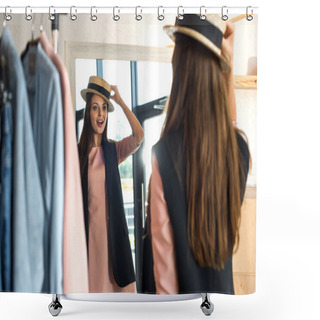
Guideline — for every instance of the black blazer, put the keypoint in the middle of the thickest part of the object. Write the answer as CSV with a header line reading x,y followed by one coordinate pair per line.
x,y
191,277
121,255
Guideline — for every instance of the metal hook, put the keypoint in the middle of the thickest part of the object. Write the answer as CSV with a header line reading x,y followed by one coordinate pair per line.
x,y
160,16
93,17
249,16
6,15
224,17
73,16
51,15
28,16
203,16
138,16
116,17
180,14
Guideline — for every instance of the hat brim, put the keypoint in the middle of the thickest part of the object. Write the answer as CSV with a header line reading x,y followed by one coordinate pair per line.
x,y
84,96
171,30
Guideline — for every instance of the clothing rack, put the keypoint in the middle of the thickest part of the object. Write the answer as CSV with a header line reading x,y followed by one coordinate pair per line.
x,y
55,31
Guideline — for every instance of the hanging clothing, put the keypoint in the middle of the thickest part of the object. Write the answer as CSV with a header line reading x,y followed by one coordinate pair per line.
x,y
5,202
44,95
109,251
178,272
27,200
75,268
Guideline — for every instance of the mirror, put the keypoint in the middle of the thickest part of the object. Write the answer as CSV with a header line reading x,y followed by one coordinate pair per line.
x,y
144,86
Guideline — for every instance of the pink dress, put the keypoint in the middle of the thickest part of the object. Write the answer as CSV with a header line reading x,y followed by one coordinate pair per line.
x,y
101,278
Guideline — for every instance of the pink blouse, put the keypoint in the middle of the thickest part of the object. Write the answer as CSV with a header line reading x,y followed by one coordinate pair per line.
x,y
101,278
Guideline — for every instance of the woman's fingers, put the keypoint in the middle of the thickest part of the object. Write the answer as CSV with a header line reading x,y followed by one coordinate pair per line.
x,y
227,42
116,92
116,95
229,30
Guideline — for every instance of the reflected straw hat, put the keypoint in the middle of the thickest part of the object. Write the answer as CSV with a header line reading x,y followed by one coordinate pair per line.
x,y
208,32
100,87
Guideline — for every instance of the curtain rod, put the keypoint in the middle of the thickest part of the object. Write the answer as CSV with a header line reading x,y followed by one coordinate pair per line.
x,y
125,9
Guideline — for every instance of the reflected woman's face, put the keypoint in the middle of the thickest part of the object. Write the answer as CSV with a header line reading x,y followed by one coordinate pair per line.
x,y
98,114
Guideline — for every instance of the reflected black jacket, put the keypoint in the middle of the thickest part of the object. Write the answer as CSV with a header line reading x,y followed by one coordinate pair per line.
x,y
119,237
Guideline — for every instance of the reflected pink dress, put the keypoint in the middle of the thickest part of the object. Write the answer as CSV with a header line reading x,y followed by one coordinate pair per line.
x,y
101,278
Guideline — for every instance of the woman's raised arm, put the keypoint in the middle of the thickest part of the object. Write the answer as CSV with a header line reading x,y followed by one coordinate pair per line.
x,y
137,130
227,52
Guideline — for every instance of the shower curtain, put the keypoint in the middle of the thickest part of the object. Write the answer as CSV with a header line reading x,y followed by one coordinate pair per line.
x,y
51,237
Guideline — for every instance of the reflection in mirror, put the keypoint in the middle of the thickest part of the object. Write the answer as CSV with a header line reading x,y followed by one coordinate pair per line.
x,y
144,87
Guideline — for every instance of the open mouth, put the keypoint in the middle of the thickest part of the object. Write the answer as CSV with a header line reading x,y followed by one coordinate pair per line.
x,y
100,123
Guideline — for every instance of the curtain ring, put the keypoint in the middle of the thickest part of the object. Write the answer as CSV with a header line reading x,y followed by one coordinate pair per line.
x,y
160,16
180,14
138,16
116,17
93,17
51,15
28,15
249,16
73,16
6,15
203,15
224,17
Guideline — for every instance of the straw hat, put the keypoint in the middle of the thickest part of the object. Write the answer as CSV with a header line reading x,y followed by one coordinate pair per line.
x,y
100,87
208,32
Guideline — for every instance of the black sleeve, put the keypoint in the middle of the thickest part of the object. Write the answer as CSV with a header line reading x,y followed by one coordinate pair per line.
x,y
244,157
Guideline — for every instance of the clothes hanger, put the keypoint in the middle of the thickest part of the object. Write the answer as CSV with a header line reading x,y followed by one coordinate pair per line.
x,y
31,43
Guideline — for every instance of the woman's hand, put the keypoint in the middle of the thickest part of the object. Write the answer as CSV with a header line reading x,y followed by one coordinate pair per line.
x,y
227,52
227,43
116,96
137,130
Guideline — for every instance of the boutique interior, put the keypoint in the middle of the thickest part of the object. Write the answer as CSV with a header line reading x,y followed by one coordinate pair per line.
x,y
136,56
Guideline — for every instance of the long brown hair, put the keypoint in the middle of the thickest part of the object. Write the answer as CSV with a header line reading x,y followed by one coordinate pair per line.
x,y
86,138
198,103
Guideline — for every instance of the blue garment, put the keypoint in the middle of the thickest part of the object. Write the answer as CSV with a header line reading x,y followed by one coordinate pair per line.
x,y
45,101
27,200
6,178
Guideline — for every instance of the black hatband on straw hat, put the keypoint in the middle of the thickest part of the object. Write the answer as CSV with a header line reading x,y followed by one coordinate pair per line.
x,y
204,27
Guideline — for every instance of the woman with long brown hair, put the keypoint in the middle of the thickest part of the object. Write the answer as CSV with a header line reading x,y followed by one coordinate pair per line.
x,y
110,262
200,164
